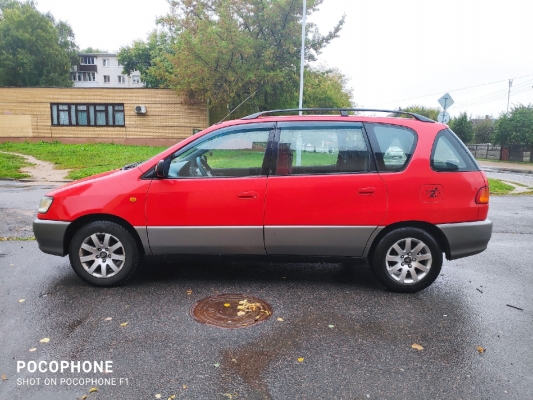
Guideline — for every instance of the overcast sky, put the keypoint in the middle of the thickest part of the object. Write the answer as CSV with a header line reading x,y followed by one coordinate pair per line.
x,y
395,53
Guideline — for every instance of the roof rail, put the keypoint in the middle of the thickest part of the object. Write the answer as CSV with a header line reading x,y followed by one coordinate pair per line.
x,y
343,112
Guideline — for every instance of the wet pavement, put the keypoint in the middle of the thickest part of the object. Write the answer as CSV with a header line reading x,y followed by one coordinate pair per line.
x,y
342,336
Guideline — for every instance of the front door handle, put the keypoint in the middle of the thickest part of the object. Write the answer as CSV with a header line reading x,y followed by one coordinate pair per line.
x,y
247,195
367,191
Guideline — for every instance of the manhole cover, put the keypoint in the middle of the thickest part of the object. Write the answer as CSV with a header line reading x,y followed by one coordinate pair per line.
x,y
231,311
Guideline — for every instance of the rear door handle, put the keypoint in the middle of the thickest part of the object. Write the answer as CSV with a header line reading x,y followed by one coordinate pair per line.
x,y
247,195
367,191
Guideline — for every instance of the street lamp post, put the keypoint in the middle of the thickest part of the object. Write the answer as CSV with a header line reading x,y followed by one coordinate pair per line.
x,y
302,58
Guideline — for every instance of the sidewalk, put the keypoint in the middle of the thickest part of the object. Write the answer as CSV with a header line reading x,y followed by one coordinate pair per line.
x,y
506,166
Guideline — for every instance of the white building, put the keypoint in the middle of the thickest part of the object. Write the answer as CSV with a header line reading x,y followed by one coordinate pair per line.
x,y
102,70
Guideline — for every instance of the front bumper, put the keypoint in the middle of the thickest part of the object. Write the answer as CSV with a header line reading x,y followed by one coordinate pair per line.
x,y
466,238
50,236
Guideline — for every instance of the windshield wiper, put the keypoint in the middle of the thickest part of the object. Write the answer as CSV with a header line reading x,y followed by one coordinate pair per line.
x,y
132,165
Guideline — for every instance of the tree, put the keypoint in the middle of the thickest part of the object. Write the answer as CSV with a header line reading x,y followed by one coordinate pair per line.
x,y
325,88
92,50
142,56
429,112
34,50
227,50
462,126
515,127
484,131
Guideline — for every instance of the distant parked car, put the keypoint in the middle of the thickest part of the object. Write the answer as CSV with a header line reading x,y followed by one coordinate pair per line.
x,y
399,192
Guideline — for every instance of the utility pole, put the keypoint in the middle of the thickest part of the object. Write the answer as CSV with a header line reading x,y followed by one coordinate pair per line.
x,y
509,94
302,58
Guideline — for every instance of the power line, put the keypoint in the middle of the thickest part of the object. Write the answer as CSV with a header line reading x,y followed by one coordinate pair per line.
x,y
497,93
452,90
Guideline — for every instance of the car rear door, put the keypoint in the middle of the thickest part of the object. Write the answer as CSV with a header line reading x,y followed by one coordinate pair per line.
x,y
324,195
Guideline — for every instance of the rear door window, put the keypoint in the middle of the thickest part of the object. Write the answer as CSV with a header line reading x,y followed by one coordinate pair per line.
x,y
393,146
450,154
321,148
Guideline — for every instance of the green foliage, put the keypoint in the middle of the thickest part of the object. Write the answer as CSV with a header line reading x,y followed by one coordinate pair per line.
x,y
484,131
429,112
515,127
497,187
141,56
10,166
325,88
34,49
84,159
225,50
462,126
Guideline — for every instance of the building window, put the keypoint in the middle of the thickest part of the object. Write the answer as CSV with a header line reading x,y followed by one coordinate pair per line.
x,y
107,79
83,76
135,79
87,114
106,62
121,79
87,60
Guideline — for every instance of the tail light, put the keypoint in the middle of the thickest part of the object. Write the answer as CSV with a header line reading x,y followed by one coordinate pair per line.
x,y
482,196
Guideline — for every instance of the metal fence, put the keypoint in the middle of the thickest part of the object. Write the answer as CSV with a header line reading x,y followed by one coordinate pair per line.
x,y
486,151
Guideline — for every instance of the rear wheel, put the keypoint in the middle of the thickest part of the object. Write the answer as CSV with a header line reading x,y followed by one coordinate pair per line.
x,y
104,253
407,260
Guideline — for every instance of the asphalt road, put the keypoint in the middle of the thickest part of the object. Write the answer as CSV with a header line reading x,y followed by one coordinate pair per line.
x,y
366,353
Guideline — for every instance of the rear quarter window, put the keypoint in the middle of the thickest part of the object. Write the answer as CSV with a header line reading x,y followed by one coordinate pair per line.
x,y
449,154
393,146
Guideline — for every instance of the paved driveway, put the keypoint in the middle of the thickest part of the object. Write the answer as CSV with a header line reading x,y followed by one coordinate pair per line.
x,y
355,338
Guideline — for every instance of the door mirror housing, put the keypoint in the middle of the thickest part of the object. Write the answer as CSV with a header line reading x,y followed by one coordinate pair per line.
x,y
161,168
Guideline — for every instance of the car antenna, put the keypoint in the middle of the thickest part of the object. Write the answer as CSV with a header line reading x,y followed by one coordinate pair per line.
x,y
235,109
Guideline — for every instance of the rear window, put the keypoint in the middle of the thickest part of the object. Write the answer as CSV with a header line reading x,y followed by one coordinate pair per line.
x,y
449,154
393,146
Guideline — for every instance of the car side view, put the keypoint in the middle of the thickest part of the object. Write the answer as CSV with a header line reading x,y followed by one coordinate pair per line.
x,y
399,190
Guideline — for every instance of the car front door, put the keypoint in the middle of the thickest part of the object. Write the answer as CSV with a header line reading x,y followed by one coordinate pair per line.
x,y
212,201
325,197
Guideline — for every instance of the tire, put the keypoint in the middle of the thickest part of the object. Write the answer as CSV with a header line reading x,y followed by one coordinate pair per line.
x,y
396,267
104,243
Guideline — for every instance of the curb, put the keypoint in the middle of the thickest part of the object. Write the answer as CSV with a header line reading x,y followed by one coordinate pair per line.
x,y
513,170
33,180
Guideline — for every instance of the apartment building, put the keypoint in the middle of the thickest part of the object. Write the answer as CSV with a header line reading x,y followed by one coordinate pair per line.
x,y
102,70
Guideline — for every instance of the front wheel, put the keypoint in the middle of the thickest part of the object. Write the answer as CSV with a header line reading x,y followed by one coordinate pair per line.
x,y
406,260
104,253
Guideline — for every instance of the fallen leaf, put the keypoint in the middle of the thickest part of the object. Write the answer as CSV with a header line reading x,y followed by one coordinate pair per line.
x,y
158,396
93,390
480,349
241,313
108,319
301,359
4,377
33,349
123,324
216,365
22,300
280,319
84,397
189,292
331,326
417,347
172,397
44,340
227,304
184,386
228,396
233,360
11,265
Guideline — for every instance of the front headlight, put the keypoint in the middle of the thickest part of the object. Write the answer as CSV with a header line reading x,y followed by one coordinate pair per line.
x,y
45,204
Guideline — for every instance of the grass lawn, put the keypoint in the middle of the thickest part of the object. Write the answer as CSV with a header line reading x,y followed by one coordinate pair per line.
x,y
10,166
83,159
497,187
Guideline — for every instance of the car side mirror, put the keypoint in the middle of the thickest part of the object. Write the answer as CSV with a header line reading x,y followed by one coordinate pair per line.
x,y
161,169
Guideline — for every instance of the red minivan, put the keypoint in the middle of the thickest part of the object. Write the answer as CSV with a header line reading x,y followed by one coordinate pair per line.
x,y
397,191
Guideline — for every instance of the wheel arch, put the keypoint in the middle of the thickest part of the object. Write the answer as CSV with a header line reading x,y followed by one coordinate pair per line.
x,y
433,230
87,219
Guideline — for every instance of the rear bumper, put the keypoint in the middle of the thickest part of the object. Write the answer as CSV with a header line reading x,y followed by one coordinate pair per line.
x,y
466,238
50,236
